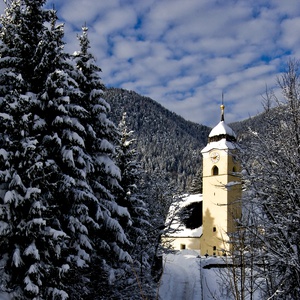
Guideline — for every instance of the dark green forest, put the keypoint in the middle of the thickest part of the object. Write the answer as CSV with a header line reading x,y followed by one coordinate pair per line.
x,y
166,142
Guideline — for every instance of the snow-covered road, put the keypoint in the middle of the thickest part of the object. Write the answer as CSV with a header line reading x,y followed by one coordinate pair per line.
x,y
181,277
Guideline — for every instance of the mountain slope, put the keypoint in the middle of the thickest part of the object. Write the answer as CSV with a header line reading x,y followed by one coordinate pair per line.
x,y
259,123
166,142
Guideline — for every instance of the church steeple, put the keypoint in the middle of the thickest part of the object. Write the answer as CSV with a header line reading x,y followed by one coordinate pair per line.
x,y
220,204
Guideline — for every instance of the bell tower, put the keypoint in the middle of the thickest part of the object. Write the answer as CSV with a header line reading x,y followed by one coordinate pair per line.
x,y
221,189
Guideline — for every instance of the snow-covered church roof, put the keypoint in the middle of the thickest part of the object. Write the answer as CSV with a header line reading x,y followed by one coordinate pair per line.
x,y
221,136
176,227
222,129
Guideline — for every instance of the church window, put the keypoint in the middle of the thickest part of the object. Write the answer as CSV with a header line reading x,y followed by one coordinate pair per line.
x,y
215,170
214,248
214,229
234,169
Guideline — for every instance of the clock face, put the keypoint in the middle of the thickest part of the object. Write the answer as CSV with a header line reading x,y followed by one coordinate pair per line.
x,y
214,156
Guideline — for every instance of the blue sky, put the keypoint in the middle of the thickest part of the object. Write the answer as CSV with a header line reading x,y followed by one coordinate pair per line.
x,y
185,53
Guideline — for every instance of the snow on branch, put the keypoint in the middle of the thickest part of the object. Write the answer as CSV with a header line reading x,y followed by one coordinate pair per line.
x,y
30,286
31,250
56,234
16,258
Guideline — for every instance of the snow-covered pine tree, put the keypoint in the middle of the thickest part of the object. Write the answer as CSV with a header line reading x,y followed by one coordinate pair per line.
x,y
196,185
131,172
27,241
101,138
24,236
137,280
64,141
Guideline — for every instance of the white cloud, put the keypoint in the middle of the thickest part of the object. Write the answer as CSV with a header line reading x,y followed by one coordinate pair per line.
x,y
290,30
184,54
81,11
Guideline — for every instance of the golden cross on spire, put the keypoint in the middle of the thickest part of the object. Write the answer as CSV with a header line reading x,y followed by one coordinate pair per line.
x,y
222,107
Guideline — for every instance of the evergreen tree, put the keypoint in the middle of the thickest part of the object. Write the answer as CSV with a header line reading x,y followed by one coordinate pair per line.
x,y
101,138
22,26
137,279
196,185
64,141
29,244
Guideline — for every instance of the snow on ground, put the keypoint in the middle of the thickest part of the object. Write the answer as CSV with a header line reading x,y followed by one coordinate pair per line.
x,y
183,279
181,276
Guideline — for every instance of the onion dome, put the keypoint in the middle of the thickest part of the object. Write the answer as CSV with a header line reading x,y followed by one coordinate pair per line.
x,y
221,136
222,131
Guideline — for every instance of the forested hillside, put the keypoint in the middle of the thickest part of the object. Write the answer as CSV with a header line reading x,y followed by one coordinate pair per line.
x,y
259,123
166,142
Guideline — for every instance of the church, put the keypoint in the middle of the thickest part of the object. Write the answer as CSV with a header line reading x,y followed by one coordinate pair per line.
x,y
221,205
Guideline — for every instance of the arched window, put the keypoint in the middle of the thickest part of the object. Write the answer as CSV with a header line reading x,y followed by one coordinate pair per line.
x,y
234,169
215,170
